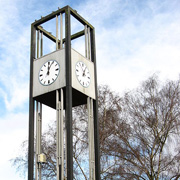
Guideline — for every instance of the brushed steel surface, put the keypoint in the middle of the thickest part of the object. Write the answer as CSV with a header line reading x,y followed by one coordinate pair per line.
x,y
90,90
38,88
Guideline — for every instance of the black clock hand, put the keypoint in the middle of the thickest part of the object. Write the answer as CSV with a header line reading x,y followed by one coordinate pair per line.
x,y
84,71
48,71
81,67
51,65
48,68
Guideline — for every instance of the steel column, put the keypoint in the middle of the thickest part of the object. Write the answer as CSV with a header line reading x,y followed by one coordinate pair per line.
x,y
68,96
86,47
38,165
37,144
41,54
38,140
62,134
95,107
60,137
31,108
91,139
56,32
37,121
89,43
61,30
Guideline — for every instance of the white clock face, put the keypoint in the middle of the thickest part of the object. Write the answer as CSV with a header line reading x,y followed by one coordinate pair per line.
x,y
82,74
49,72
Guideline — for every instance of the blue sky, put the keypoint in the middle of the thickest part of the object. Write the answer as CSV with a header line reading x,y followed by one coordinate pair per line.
x,y
134,39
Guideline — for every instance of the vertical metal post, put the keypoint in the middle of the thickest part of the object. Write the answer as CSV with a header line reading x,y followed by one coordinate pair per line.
x,y
86,47
61,31
37,122
90,112
62,136
31,108
41,54
38,44
66,152
89,43
40,134
68,96
59,107
37,145
91,139
56,32
57,144
40,114
95,109
38,139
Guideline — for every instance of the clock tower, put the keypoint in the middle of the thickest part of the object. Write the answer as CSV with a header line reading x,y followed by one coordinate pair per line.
x,y
62,79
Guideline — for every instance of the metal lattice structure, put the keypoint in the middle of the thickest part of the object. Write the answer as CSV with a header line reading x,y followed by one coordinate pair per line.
x,y
63,97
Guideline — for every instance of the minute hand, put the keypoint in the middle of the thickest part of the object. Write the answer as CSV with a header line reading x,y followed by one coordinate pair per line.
x,y
84,71
49,67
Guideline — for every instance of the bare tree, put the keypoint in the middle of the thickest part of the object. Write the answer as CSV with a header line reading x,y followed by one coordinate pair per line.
x,y
49,149
139,135
143,140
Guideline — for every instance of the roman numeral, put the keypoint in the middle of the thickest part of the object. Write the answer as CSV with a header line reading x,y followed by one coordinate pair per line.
x,y
57,69
48,81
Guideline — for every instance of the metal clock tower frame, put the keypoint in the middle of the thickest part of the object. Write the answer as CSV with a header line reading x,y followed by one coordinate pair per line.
x,y
63,98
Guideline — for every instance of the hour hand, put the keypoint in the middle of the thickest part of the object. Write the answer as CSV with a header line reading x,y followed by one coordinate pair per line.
x,y
84,71
48,68
51,65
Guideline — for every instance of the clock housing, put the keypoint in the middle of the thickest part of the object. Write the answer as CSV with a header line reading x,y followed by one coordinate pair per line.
x,y
82,73
40,88
89,88
46,94
49,72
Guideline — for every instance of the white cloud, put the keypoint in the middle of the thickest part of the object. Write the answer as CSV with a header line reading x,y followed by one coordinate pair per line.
x,y
14,56
141,41
13,128
134,39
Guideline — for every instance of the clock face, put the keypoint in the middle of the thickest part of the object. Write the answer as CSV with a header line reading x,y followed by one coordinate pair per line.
x,y
82,74
49,72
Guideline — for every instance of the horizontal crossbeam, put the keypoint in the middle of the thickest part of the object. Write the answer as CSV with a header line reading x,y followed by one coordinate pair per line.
x,y
53,38
62,10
